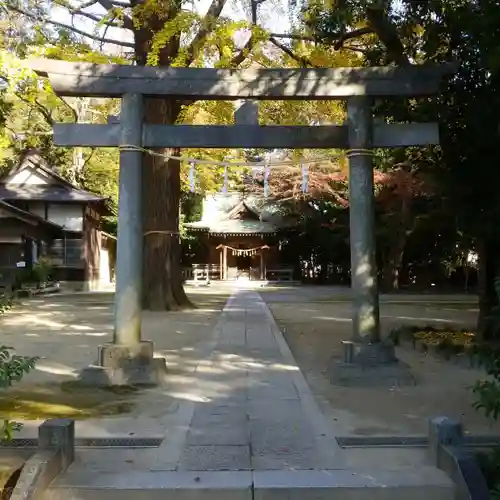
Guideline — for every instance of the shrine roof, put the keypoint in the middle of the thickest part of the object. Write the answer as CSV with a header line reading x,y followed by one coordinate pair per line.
x,y
232,213
34,179
234,226
47,193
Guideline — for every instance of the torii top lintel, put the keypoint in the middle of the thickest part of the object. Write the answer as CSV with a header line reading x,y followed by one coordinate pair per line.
x,y
107,80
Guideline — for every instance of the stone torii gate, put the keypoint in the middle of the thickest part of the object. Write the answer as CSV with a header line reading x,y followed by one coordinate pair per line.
x,y
129,359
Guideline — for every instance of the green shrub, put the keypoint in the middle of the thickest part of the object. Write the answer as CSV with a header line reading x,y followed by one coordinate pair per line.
x,y
488,395
6,303
43,269
490,465
12,369
488,389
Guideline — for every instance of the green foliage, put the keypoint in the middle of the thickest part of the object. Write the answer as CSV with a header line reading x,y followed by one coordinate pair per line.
x,y
39,274
321,225
43,269
488,393
12,369
6,303
490,465
493,318
488,390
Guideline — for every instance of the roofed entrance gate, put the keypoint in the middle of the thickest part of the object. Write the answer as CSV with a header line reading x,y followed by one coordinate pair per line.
x,y
128,359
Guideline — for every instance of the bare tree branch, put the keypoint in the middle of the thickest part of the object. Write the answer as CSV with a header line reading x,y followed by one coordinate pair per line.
x,y
72,28
71,108
243,53
301,59
101,45
355,49
326,37
212,14
340,39
90,35
47,115
89,3
387,34
89,157
109,6
77,11
294,36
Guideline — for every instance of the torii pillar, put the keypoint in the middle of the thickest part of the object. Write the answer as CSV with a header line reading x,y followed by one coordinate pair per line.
x,y
367,359
128,360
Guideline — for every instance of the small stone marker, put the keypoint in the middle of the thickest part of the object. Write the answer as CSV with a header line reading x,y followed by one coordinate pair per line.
x,y
443,431
58,433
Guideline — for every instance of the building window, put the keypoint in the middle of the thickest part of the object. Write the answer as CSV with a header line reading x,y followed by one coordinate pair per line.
x,y
67,252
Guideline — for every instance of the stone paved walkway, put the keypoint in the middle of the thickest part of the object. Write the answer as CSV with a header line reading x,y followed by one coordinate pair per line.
x,y
264,416
249,418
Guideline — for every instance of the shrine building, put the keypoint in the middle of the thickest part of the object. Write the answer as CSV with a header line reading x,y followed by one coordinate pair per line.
x,y
240,236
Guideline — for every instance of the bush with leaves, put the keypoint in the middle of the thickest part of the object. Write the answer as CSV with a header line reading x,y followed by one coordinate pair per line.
x,y
6,303
43,269
12,369
487,391
489,464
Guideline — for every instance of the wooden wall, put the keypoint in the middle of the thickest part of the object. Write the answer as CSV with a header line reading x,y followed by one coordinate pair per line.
x,y
91,247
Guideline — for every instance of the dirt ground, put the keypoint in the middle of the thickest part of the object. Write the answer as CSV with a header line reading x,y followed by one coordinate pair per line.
x,y
64,331
315,323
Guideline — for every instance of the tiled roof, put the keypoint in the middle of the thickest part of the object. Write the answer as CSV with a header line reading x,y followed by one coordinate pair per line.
x,y
46,192
233,213
234,226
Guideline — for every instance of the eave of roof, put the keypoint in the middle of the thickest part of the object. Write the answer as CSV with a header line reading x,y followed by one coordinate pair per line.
x,y
29,217
62,190
234,227
47,192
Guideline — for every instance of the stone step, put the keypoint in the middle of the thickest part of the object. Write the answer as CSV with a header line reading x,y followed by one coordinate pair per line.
x,y
415,483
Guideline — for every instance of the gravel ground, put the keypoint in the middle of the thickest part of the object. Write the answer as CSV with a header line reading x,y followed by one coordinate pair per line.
x,y
315,322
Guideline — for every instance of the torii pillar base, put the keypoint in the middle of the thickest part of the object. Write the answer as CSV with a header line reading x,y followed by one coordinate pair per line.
x,y
120,365
370,365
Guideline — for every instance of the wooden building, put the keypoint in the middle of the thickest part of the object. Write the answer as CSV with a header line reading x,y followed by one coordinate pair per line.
x,y
43,214
239,235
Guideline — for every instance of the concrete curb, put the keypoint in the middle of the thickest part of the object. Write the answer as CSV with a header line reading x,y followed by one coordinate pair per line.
x,y
407,483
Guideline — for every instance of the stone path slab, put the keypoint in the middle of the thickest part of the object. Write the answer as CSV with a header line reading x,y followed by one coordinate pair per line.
x,y
260,418
243,430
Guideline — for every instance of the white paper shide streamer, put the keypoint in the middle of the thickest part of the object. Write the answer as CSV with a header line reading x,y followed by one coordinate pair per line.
x,y
305,178
192,177
225,187
267,171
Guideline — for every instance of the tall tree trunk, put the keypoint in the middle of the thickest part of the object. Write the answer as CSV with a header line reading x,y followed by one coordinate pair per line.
x,y
392,266
488,267
163,289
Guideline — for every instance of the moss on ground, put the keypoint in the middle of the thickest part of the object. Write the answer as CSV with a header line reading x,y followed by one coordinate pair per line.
x,y
64,400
